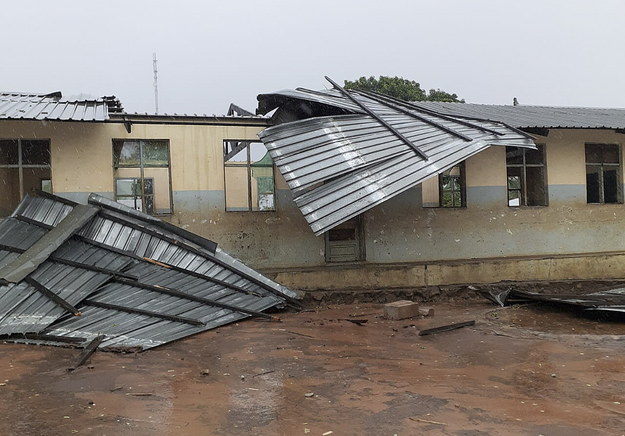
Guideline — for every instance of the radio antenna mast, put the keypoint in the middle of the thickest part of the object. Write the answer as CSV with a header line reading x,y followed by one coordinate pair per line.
x,y
155,82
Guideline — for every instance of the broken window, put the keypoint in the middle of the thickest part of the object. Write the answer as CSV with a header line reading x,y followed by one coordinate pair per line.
x,y
603,173
248,172
142,176
24,168
527,175
446,190
451,187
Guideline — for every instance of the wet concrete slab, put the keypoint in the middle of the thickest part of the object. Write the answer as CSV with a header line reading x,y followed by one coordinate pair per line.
x,y
519,370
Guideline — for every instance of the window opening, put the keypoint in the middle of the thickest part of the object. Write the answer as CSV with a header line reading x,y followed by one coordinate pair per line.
x,y
451,187
526,173
142,175
345,242
24,166
603,173
249,176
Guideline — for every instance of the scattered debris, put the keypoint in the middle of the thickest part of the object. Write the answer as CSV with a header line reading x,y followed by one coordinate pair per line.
x,y
71,273
612,300
426,311
88,351
426,421
309,394
300,334
401,309
446,328
205,372
359,322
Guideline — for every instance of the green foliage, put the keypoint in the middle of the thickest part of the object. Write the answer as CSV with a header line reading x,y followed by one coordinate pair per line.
x,y
398,87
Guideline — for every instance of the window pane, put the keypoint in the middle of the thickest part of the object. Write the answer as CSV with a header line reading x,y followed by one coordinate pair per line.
x,y
236,151
156,184
592,184
610,153
8,152
32,178
46,186
35,153
514,182
514,156
342,234
155,153
259,155
593,153
536,194
127,187
535,157
514,198
127,153
9,190
610,185
237,192
457,199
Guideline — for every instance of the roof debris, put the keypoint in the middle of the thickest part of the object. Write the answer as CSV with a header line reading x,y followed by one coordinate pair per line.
x,y
612,300
72,273
343,152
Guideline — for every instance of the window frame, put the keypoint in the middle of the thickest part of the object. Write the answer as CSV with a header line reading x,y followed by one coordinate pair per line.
x,y
142,177
463,190
602,165
20,165
523,198
228,150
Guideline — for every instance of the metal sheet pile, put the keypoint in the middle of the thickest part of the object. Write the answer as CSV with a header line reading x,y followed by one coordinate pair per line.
x,y
74,273
610,300
343,152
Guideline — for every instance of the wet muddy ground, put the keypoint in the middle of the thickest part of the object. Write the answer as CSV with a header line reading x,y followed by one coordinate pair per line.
x,y
522,370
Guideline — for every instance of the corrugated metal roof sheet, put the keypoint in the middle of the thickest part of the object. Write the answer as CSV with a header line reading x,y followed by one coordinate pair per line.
x,y
121,274
522,116
368,151
21,106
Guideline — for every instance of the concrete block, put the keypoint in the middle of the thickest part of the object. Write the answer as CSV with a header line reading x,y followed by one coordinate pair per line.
x,y
401,309
426,311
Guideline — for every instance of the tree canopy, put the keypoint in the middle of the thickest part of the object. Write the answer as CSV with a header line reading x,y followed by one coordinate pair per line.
x,y
401,88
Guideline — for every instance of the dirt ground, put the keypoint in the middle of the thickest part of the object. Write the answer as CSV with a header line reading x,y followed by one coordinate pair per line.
x,y
522,370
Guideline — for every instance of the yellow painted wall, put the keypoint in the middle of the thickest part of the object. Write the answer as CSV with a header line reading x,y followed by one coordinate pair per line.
x,y
487,168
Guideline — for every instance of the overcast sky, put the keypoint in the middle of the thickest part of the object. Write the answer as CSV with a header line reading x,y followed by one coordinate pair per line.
x,y
212,53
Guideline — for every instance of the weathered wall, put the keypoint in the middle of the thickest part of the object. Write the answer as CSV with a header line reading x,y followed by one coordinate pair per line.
x,y
405,243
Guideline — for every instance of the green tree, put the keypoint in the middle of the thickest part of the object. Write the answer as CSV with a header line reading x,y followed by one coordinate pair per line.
x,y
398,87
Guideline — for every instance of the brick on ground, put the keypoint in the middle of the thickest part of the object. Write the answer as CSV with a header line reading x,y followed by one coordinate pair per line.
x,y
401,309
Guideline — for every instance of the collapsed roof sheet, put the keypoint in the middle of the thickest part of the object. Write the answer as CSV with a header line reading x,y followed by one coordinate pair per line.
x,y
116,272
353,150
611,300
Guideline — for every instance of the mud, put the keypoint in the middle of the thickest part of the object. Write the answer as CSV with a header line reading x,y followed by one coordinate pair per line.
x,y
521,370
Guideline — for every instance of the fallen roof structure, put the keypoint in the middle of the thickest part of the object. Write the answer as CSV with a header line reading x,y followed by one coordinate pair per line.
x,y
103,272
343,152
612,300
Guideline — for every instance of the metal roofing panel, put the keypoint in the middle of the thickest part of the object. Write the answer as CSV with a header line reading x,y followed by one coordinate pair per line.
x,y
342,165
47,244
52,107
132,279
524,116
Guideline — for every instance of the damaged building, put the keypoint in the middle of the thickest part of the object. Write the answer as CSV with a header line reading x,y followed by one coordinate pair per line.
x,y
345,190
